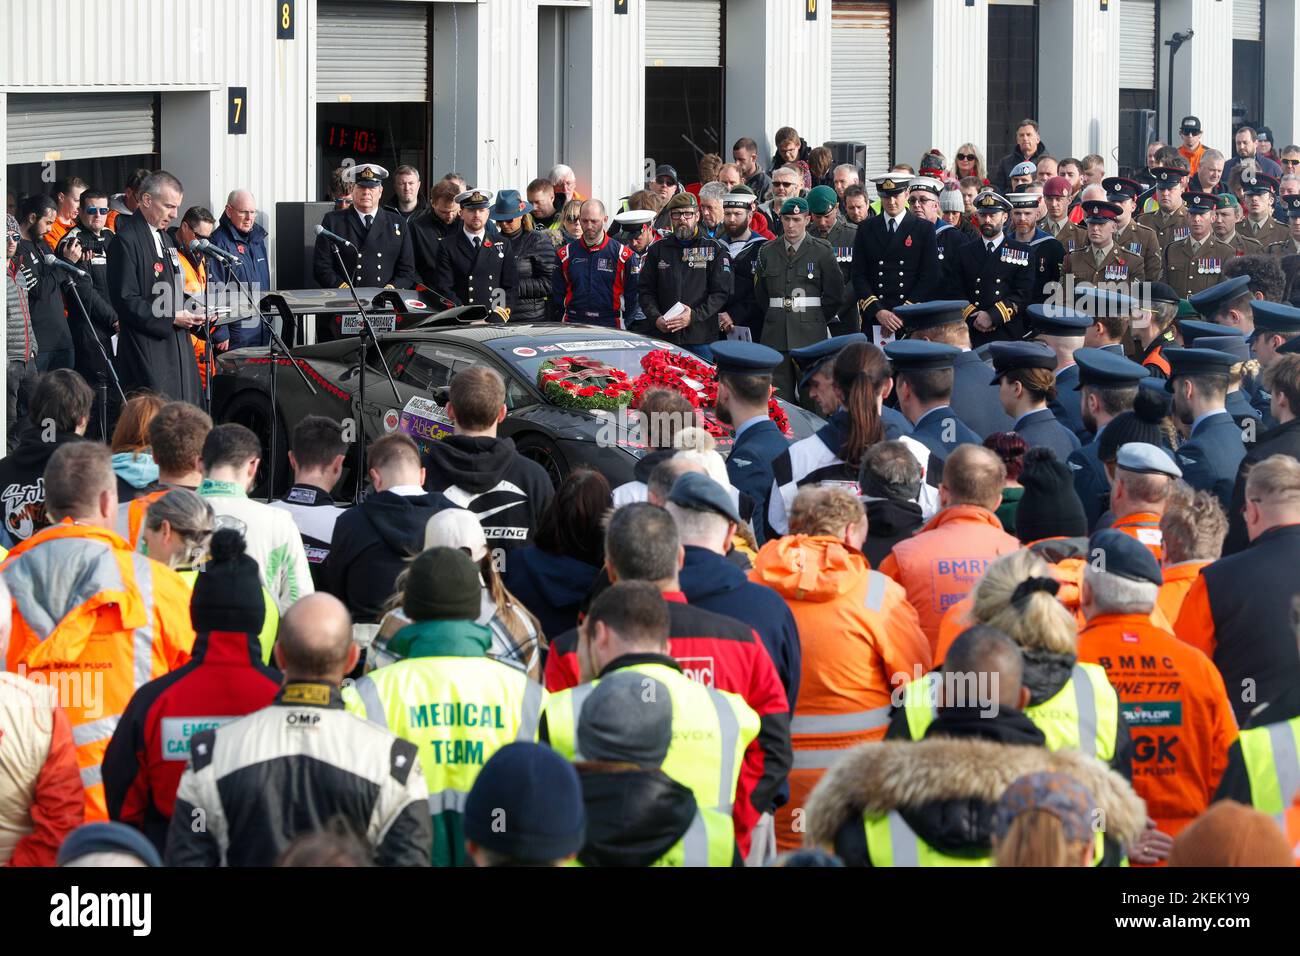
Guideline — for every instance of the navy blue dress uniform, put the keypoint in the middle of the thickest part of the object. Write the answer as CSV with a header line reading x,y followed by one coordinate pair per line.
x,y
1136,238
980,408
811,359
948,238
1237,402
1168,226
841,237
381,254
894,264
1214,449
1102,369
1038,427
996,276
1270,230
1049,254
759,442
1063,322
939,429
469,271
1192,267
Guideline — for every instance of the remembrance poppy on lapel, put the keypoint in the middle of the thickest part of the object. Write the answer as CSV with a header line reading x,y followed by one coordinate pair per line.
x,y
240,248
157,268
907,241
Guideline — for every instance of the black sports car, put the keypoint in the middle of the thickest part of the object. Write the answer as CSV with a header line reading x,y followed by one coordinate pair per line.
x,y
423,357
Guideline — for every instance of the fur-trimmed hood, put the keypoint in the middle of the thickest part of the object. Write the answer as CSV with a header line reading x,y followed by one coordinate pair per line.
x,y
908,776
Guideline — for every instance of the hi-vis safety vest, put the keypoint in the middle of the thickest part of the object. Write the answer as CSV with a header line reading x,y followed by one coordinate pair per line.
x,y
1082,715
459,711
891,842
710,840
711,730
1272,757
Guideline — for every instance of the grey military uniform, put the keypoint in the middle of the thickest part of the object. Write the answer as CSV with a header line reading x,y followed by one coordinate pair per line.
x,y
802,293
1189,272
1169,227
1118,265
841,239
1142,241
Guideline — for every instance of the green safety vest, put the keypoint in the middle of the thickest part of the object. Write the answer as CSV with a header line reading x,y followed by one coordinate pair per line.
x,y
1082,715
891,842
270,621
709,841
459,711
711,731
1272,757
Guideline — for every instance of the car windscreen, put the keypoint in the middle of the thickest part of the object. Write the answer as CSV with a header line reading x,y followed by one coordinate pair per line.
x,y
622,353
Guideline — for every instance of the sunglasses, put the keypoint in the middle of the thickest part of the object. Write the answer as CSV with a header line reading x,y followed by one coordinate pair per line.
x,y
96,210
783,185
570,218
665,181
1291,162
14,237
967,157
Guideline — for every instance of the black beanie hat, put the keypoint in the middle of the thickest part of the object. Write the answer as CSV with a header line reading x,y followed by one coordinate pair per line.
x,y
1050,507
228,589
1142,424
442,584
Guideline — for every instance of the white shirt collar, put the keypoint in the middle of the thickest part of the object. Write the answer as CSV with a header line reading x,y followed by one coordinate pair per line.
x,y
361,216
471,236
996,240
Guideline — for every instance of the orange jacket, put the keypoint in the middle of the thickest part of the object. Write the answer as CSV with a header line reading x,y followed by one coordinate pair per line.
x,y
58,231
1179,579
136,509
1177,710
1144,526
196,274
940,564
860,640
97,622
1292,822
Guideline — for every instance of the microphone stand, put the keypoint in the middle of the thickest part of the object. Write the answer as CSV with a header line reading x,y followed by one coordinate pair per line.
x,y
366,330
103,382
276,343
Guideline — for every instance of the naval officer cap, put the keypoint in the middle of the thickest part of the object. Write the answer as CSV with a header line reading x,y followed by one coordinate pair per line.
x,y
921,356
1024,200
1275,317
698,492
628,225
927,315
1143,458
1209,301
744,358
1119,188
1104,369
1057,320
1234,345
821,200
474,199
366,175
989,202
811,358
1125,556
891,183
1013,356
1193,330
1196,361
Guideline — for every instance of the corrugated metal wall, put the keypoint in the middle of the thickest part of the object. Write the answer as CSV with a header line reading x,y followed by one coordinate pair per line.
x,y
799,98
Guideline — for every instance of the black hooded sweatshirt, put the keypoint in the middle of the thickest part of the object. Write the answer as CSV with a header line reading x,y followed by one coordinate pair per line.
x,y
489,477
634,817
372,544
22,481
889,522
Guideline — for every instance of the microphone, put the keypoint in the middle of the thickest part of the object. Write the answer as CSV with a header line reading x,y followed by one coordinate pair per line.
x,y
322,231
55,262
216,252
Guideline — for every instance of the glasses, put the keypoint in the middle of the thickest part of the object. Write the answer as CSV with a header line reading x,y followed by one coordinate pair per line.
x,y
95,210
783,185
967,157
1291,162
919,200
570,218
665,181
14,237
682,214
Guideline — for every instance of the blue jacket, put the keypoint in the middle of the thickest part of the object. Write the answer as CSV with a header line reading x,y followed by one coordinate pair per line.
x,y
713,583
1211,454
1040,429
1090,481
1067,407
552,586
749,465
254,271
933,432
597,286
981,409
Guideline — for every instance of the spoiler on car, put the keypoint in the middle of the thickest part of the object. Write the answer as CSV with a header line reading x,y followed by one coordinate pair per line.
x,y
389,309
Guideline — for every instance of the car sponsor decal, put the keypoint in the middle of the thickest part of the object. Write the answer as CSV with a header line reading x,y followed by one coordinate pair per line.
x,y
391,420
425,421
416,304
382,322
1153,713
524,351
598,345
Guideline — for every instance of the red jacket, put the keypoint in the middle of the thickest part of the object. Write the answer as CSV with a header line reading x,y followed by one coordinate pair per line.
x,y
224,679
732,658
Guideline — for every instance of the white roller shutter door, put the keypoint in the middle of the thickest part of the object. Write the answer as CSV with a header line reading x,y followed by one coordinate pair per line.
x,y
372,52
1245,20
1137,45
860,79
683,33
80,126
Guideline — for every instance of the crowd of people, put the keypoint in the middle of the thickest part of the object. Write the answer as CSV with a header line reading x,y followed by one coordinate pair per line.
x,y
1024,599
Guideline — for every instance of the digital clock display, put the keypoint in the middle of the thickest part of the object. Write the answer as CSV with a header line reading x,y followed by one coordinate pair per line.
x,y
351,139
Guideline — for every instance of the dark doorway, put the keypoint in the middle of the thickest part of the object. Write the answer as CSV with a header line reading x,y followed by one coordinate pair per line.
x,y
1247,83
1013,75
683,117
389,134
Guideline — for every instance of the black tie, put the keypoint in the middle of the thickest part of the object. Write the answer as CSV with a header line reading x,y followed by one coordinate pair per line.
x,y
891,227
368,220
990,246
477,242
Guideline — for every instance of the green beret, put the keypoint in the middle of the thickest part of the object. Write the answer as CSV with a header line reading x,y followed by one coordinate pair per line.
x,y
793,205
682,200
822,200
1226,201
